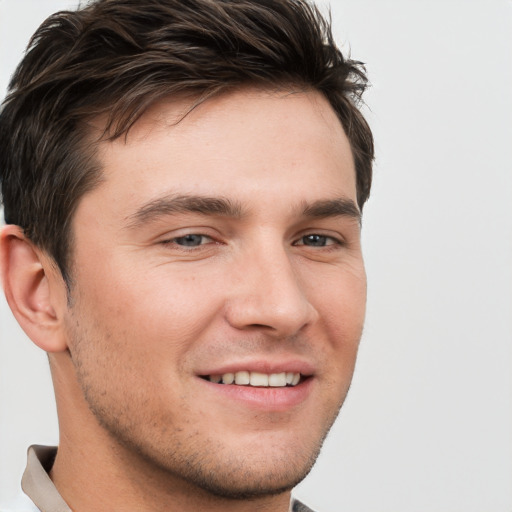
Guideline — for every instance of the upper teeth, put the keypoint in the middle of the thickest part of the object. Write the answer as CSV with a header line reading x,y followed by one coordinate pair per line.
x,y
245,378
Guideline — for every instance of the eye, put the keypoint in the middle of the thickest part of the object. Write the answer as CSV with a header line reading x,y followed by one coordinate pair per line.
x,y
315,240
191,240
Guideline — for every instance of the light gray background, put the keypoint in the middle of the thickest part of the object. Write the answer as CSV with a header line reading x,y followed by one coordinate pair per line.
x,y
427,426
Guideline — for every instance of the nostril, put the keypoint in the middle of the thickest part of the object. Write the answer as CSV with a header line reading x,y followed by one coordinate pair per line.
x,y
261,326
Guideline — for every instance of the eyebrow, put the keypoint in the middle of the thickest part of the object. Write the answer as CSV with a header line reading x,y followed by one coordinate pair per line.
x,y
169,205
204,205
339,207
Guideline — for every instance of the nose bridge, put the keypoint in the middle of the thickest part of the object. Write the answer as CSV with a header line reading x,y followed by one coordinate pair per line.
x,y
268,292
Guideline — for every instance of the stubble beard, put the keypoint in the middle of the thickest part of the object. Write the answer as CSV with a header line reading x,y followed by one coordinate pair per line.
x,y
187,456
197,465
201,463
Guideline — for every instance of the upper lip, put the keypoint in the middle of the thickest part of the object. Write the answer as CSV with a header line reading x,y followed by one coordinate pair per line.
x,y
292,365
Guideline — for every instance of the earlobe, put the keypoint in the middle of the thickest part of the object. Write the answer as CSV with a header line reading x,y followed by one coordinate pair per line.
x,y
32,290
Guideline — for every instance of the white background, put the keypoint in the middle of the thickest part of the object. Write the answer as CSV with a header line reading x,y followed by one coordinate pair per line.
x,y
427,426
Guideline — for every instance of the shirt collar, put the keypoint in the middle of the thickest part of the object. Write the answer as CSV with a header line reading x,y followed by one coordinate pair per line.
x,y
36,483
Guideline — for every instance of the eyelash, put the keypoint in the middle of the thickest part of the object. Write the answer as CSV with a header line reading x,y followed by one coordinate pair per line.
x,y
173,241
331,243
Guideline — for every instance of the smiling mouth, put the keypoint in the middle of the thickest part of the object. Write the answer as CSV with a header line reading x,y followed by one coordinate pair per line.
x,y
257,379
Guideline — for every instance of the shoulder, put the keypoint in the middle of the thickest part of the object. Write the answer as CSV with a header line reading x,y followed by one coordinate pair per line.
x,y
297,506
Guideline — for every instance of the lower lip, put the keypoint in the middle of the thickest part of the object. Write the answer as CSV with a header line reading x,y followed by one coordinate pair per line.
x,y
268,399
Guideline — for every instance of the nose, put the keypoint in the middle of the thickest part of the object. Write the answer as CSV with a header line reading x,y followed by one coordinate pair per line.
x,y
268,294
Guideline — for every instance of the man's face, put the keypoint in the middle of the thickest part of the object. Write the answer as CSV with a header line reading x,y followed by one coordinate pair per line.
x,y
227,243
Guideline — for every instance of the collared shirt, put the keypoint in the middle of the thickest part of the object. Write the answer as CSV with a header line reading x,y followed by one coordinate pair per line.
x,y
38,486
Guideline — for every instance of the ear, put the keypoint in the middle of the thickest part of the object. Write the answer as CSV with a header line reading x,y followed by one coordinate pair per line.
x,y
34,289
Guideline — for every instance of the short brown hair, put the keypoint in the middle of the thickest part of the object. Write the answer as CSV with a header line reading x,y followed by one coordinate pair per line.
x,y
117,57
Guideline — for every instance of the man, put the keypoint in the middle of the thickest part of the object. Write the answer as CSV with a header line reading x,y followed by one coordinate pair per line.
x,y
183,185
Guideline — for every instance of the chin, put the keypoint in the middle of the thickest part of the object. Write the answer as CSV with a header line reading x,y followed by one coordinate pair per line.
x,y
249,482
249,472
257,467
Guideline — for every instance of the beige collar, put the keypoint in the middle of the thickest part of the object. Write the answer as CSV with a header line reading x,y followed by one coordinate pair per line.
x,y
37,484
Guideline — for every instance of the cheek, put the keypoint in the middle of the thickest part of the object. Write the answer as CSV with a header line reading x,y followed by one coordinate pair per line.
x,y
342,311
157,305
350,310
341,302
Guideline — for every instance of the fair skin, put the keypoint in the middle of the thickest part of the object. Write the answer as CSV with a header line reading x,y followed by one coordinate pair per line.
x,y
226,243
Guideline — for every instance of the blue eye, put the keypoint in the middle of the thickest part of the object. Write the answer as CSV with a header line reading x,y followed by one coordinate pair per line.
x,y
316,240
190,240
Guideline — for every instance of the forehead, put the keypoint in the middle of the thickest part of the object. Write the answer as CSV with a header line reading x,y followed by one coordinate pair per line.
x,y
254,144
